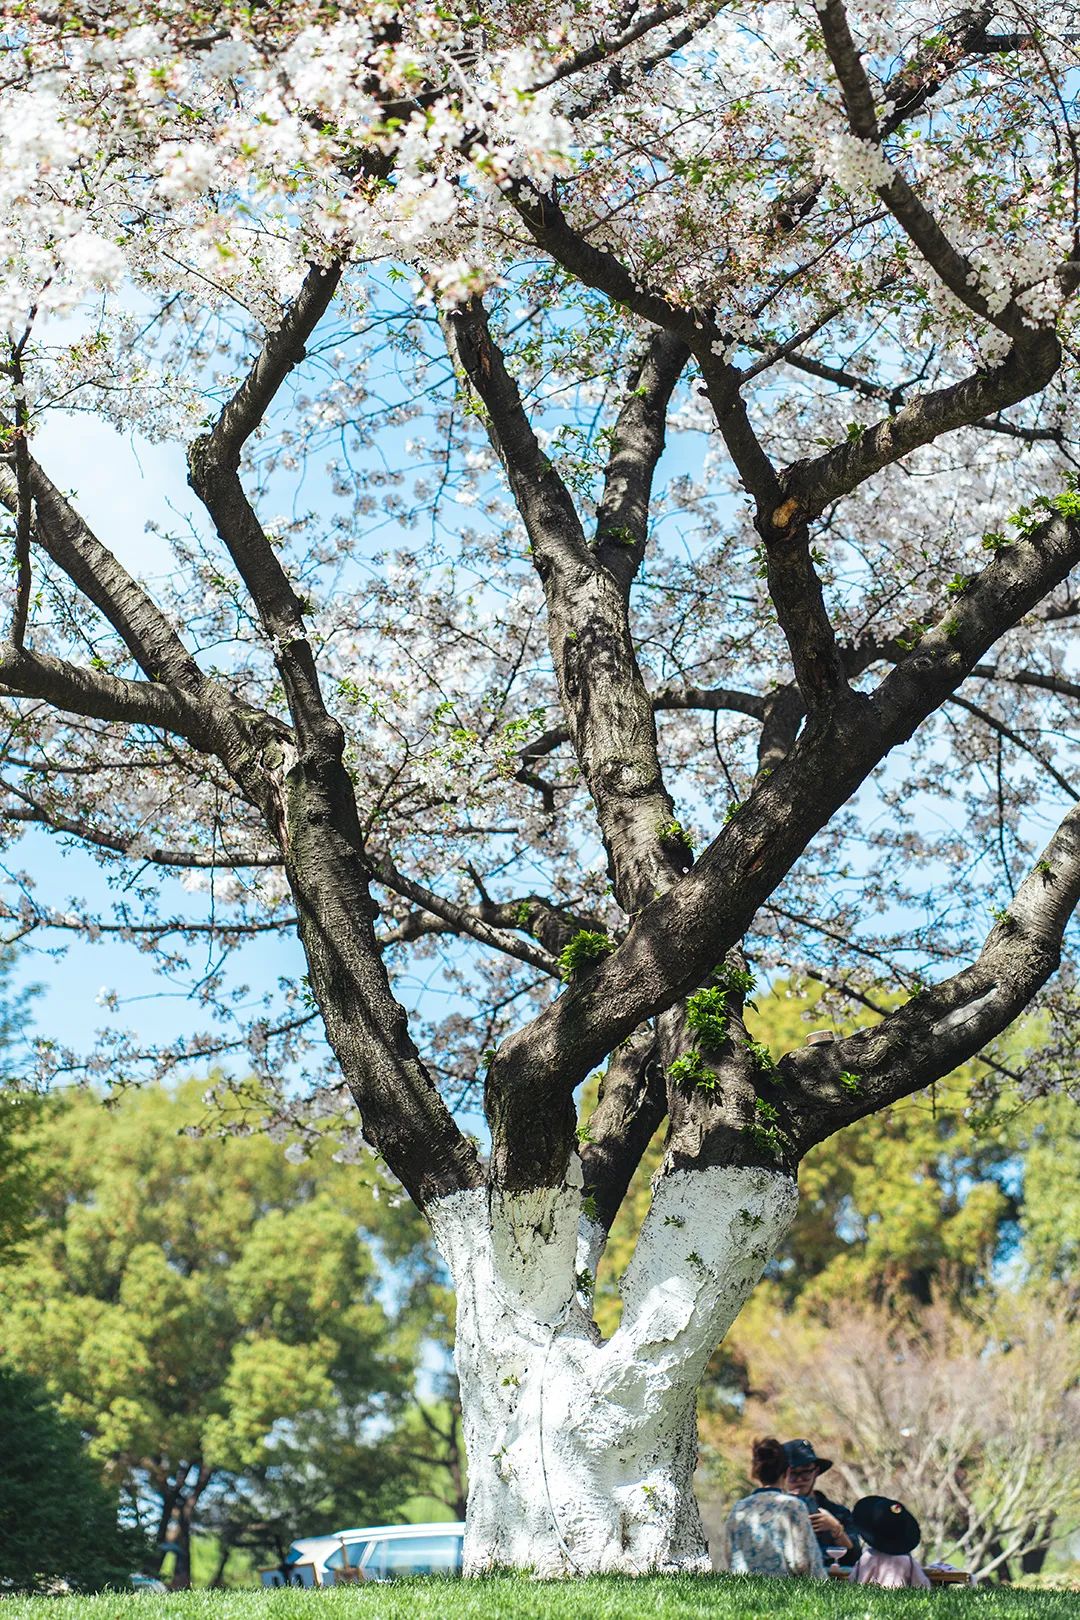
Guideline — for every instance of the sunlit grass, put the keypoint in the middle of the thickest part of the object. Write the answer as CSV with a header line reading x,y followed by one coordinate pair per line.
x,y
603,1598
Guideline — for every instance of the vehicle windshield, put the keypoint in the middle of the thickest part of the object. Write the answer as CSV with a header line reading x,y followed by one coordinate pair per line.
x,y
351,1554
414,1555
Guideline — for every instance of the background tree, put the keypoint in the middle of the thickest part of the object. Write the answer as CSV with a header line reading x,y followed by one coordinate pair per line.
x,y
836,255
17,1105
59,1525
972,1420
927,1199
210,1316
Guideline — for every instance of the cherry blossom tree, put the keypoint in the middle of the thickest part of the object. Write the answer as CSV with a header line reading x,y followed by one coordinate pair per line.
x,y
705,373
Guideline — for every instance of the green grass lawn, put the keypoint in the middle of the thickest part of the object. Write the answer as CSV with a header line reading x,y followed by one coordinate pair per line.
x,y
609,1598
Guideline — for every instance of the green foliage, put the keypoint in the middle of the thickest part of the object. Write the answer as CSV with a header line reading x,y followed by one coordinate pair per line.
x,y
764,1129
199,1301
586,947
760,1056
17,1107
17,1186
1047,1134
916,631
736,980
691,1070
58,1519
852,1083
675,836
707,1015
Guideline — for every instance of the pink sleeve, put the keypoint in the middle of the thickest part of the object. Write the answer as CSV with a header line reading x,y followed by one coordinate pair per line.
x,y
919,1577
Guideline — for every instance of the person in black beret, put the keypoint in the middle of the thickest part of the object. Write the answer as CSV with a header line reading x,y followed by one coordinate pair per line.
x,y
832,1522
891,1535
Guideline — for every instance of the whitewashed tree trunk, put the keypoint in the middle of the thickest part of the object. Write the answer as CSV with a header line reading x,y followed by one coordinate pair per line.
x,y
582,1452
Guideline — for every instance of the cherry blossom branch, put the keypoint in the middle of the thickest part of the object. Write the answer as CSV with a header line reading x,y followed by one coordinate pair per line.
x,y
646,22
92,568
623,512
464,919
1013,736
946,1024
640,67
228,931
608,711
909,91
1030,677
679,938
910,212
136,848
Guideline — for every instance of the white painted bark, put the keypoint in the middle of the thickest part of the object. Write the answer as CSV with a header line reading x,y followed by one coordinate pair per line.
x,y
582,1452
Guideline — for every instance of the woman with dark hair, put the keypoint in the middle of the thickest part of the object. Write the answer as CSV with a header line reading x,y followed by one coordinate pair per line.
x,y
769,1532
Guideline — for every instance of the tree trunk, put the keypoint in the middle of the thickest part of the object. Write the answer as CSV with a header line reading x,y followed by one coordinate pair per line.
x,y
582,1452
168,1493
183,1517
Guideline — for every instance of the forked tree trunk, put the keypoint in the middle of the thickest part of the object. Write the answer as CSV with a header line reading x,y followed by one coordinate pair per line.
x,y
581,1451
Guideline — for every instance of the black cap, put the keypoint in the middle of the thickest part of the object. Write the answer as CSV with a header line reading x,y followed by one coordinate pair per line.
x,y
801,1454
885,1525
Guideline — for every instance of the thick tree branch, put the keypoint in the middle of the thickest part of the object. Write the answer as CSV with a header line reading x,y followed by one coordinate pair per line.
x,y
214,475
631,1104
21,610
948,1023
608,711
813,484
310,805
907,208
678,939
894,395
465,919
622,516
90,566
596,267
95,693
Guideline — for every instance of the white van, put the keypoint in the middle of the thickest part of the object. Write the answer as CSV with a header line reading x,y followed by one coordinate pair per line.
x,y
381,1552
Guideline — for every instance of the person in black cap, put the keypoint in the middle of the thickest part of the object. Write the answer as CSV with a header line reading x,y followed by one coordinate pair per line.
x,y
891,1535
833,1524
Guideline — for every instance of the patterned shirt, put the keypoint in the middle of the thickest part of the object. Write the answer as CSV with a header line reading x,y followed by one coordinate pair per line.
x,y
769,1533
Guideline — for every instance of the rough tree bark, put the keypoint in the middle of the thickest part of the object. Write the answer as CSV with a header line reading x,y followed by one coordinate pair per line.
x,y
582,1453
